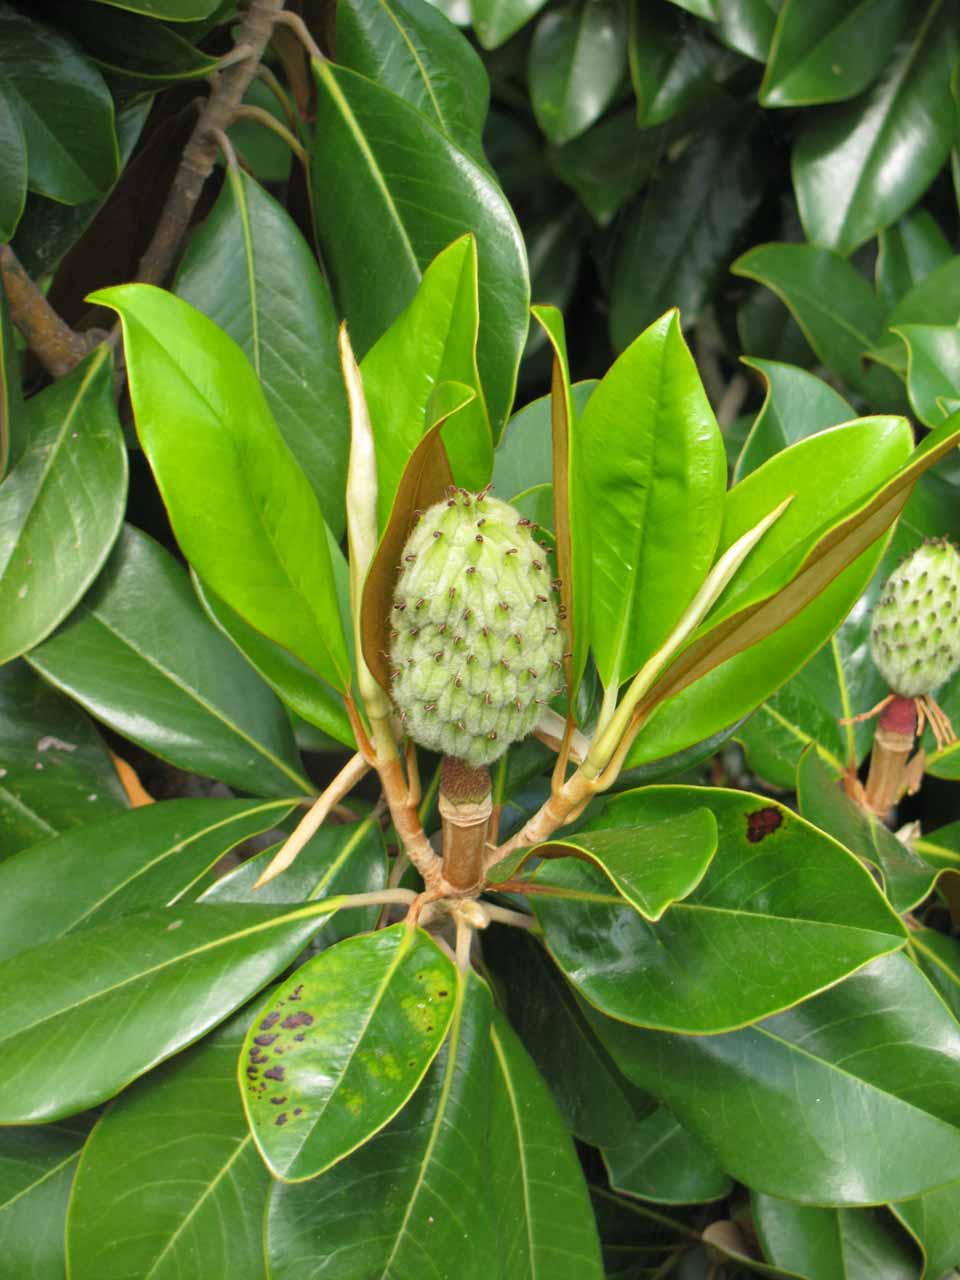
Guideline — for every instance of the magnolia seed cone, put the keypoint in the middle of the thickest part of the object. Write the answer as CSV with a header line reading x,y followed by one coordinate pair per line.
x,y
915,637
476,648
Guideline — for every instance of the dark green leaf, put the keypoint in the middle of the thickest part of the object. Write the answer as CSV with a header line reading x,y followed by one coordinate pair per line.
x,y
152,856
373,160
796,405
834,1244
62,506
243,511
64,108
577,60
674,65
140,654
747,25
171,10
933,368
937,954
608,163
135,48
679,242
818,52
13,169
934,1222
809,1105
907,253
55,772
782,913
348,1038
495,21
408,47
170,1183
858,167
37,1167
250,270
12,412
87,1014
415,1198
656,1159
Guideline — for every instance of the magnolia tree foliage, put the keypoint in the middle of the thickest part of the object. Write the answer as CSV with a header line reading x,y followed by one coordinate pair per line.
x,y
477,781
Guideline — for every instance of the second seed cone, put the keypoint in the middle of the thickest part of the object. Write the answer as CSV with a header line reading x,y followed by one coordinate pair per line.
x,y
476,648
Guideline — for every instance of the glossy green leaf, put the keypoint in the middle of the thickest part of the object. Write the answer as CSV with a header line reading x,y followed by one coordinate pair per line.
x,y
796,405
524,457
292,680
13,168
170,1182
937,954
408,47
656,505
373,160
933,368
137,48
433,340
342,859
596,1102
534,1165
609,163
89,1013
807,1106
781,913
348,1038
907,253
702,8
55,772
169,10
651,866
934,1222
674,66
576,62
243,511
857,168
250,270
656,1159
678,244
906,877
838,312
416,1196
140,655
834,1244
152,856
62,506
495,21
747,25
70,138
819,55
37,1168
12,412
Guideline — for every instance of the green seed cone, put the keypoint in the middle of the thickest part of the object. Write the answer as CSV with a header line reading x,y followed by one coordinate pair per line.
x,y
915,636
476,648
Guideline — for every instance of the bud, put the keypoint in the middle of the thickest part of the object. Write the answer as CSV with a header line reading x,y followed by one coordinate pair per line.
x,y
915,637
476,649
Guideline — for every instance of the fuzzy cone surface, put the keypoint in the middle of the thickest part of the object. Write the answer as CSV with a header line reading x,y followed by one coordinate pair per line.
x,y
915,637
476,648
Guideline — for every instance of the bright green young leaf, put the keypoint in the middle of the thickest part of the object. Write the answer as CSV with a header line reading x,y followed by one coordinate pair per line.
x,y
433,340
906,877
62,505
89,1013
524,457
819,53
796,405
292,680
418,1192
12,412
373,159
678,244
934,1222
838,312
250,270
781,913
808,1106
408,47
834,1244
170,1182
656,505
139,654
242,509
576,62
656,1159
907,253
152,856
651,866
495,21
937,954
933,368
534,1167
37,1168
341,1046
55,771
13,169
70,138
858,167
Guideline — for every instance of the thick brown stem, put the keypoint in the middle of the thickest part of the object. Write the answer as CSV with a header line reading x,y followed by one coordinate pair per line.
x,y
51,340
200,153
466,806
889,776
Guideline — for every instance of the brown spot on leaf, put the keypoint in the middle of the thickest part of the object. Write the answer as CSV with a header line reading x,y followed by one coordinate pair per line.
x,y
274,1073
281,1118
301,1036
257,1057
763,823
298,1111
264,1040
278,1102
268,1021
299,1019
